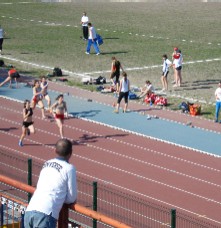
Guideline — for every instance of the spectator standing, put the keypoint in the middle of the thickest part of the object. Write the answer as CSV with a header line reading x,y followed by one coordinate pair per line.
x,y
92,39
218,102
174,52
115,71
123,93
56,185
178,61
84,23
27,124
2,33
166,65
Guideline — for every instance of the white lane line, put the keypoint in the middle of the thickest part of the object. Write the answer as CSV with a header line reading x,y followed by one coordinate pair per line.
x,y
112,167
84,74
149,197
130,33
131,158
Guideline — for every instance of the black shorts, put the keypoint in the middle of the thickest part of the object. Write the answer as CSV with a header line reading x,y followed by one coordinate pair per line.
x,y
115,74
27,124
14,75
165,75
179,68
123,95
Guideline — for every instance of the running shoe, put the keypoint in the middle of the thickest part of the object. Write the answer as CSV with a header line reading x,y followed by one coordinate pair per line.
x,y
20,143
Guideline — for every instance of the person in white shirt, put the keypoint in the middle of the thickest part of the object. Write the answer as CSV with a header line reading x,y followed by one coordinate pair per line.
x,y
84,23
178,61
218,102
124,89
56,185
146,90
92,39
166,65
2,32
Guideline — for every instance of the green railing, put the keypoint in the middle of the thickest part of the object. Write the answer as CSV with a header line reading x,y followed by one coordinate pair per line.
x,y
114,202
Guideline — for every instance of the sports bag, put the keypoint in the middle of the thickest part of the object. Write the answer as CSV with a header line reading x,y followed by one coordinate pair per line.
x,y
99,40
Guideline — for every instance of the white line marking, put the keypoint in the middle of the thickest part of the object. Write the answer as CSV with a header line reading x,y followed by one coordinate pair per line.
x,y
148,197
111,167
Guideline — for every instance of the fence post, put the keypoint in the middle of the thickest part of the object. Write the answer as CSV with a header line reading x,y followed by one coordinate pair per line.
x,y
22,219
63,217
29,177
94,202
2,214
173,218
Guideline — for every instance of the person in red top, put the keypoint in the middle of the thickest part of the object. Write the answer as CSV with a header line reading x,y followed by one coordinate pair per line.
x,y
12,74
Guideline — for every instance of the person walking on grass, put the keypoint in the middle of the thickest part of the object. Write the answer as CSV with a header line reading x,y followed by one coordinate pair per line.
x,y
57,184
166,65
60,112
124,89
92,39
27,124
218,102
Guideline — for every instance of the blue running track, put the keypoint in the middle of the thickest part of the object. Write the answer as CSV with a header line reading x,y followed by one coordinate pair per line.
x,y
199,139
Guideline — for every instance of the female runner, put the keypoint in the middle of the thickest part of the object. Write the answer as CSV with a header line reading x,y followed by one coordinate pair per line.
x,y
37,97
60,112
44,88
27,125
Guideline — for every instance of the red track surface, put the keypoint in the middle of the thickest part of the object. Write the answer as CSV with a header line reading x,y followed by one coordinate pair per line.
x,y
171,175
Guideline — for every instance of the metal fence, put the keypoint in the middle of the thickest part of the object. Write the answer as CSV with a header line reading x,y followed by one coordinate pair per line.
x,y
135,211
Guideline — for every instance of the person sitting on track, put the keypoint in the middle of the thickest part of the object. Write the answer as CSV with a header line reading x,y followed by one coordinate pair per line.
x,y
12,74
60,112
37,97
44,88
27,125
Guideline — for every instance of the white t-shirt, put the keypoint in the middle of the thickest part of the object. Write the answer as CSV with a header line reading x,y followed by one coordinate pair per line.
x,y
84,20
150,87
56,185
178,62
92,33
218,94
166,65
124,85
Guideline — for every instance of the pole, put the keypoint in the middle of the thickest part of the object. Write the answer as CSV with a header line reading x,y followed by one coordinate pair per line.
x,y
94,202
29,177
173,218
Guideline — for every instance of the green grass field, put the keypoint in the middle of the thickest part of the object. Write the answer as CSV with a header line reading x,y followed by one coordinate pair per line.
x,y
136,33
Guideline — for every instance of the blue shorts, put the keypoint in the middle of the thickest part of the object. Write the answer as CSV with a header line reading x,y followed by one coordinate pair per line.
x,y
38,219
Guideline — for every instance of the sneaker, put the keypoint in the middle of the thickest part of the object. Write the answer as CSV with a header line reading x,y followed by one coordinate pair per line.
x,y
20,143
87,53
116,111
215,121
98,53
175,85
